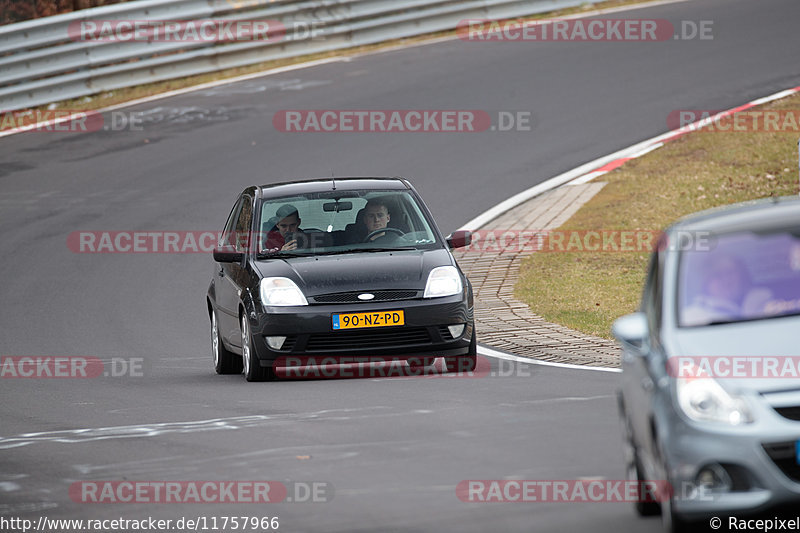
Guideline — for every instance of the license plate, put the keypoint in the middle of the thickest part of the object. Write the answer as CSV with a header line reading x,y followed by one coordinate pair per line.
x,y
797,451
368,320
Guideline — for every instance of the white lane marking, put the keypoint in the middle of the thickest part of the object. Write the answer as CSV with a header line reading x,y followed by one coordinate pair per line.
x,y
559,400
157,429
483,350
30,507
193,462
773,97
9,486
143,430
586,178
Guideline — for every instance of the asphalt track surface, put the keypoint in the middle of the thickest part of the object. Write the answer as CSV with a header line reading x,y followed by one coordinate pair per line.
x,y
393,449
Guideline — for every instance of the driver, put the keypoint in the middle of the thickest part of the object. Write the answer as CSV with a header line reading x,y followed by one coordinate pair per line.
x,y
288,227
376,217
727,293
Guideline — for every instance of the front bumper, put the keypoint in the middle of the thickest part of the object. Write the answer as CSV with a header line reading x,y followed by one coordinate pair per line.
x,y
309,330
760,479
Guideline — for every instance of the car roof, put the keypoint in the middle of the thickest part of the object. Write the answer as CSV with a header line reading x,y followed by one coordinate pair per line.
x,y
745,216
289,188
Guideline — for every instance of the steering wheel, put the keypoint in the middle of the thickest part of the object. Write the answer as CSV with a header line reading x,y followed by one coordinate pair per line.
x,y
383,230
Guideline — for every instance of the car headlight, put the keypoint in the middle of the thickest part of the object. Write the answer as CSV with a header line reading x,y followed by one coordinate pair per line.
x,y
704,400
281,292
443,281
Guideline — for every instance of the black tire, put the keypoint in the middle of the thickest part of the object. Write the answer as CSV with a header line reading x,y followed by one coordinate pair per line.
x,y
673,523
633,467
643,508
252,370
225,362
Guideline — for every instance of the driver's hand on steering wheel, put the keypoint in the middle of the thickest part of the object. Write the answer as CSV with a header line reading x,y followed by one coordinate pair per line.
x,y
383,232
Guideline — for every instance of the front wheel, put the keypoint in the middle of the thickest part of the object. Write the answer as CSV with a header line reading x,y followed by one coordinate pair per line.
x,y
672,522
225,362
252,370
633,466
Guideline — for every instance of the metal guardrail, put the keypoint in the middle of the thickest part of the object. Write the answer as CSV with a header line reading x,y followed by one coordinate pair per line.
x,y
40,63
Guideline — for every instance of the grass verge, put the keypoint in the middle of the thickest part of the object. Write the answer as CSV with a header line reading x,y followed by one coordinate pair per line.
x,y
586,291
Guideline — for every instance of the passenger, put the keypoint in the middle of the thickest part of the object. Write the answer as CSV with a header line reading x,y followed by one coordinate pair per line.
x,y
287,230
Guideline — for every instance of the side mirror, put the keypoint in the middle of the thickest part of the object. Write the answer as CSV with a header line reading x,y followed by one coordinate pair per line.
x,y
227,254
459,239
631,329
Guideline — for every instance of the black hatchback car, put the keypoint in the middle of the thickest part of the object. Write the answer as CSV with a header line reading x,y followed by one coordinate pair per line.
x,y
337,268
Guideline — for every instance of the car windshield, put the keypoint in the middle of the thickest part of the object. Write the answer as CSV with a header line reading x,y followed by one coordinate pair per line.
x,y
340,222
741,276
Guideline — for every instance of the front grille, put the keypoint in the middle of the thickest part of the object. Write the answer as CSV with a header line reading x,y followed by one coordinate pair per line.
x,y
352,297
288,344
792,413
784,456
741,480
385,338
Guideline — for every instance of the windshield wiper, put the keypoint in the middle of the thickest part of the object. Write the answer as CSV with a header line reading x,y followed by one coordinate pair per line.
x,y
751,318
360,250
286,255
725,321
397,249
282,255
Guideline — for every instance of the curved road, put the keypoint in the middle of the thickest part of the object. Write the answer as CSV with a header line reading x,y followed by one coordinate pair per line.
x,y
393,449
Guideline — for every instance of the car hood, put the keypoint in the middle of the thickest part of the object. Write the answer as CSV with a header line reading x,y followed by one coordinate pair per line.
x,y
774,338
358,272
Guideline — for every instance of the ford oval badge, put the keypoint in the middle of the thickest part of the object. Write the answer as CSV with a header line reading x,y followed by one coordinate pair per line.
x,y
366,296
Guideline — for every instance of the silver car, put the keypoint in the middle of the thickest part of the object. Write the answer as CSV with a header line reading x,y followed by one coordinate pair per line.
x,y
710,398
